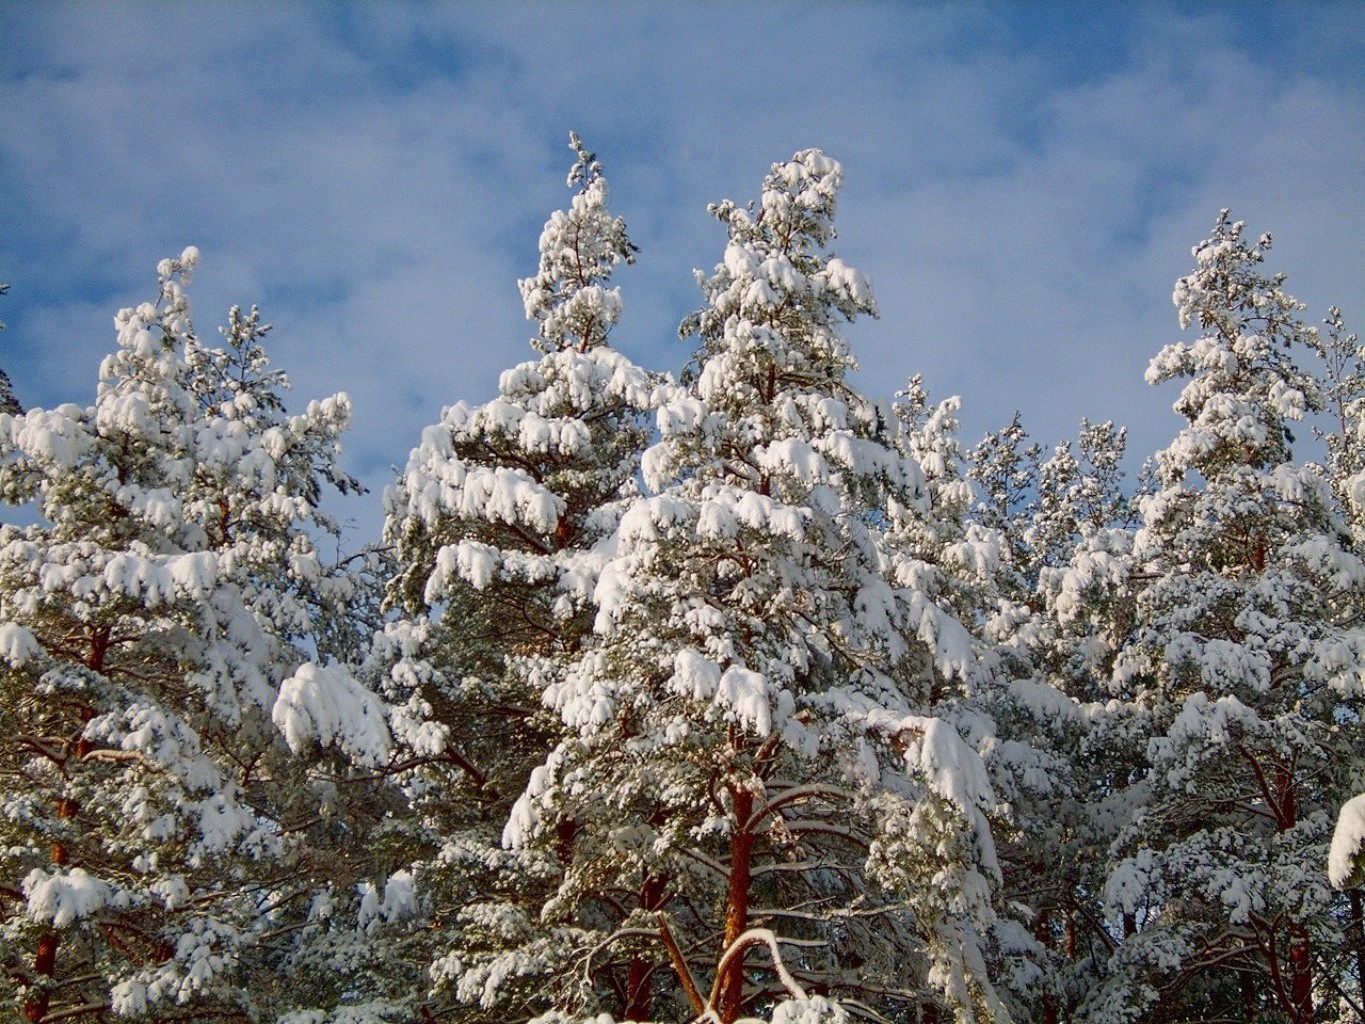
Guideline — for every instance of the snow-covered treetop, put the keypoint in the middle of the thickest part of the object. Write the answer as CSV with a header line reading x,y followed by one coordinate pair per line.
x,y
147,623
186,418
9,402
503,488
776,293
578,250
769,376
1244,384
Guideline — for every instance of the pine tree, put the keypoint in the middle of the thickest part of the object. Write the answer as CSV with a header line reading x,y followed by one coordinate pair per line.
x,y
1080,535
1241,663
497,524
1344,391
149,620
1034,564
752,756
1344,396
952,553
1005,470
960,550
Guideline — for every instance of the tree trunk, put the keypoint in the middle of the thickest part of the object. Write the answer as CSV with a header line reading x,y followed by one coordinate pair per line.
x,y
637,990
44,966
1042,931
45,960
1248,982
1355,929
639,977
1301,973
731,984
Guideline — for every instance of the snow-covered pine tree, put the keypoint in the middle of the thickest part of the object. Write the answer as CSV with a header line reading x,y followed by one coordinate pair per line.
x,y
1079,492
953,554
1079,537
965,563
1243,663
1004,468
756,806
147,622
497,523
1344,390
1001,560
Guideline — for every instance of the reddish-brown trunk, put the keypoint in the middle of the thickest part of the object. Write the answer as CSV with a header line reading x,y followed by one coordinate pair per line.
x,y
45,960
1042,928
731,985
44,964
1042,931
1288,793
565,830
1129,925
1301,974
637,991
639,977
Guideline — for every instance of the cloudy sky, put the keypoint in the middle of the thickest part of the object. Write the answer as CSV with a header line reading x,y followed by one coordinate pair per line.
x,y
1023,181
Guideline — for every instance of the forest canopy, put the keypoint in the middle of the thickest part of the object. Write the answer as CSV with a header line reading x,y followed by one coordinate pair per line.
x,y
736,694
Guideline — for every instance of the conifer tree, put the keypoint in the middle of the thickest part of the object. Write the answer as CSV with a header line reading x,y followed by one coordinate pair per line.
x,y
497,524
1343,388
961,550
1241,663
9,402
756,807
1024,560
149,814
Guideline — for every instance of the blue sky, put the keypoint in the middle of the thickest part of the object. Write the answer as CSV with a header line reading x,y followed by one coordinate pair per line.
x,y
1023,181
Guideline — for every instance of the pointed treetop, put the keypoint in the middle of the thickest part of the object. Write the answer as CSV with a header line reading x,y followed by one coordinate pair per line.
x,y
587,169
1244,385
578,250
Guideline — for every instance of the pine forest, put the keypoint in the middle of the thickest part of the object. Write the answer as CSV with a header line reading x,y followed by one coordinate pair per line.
x,y
720,696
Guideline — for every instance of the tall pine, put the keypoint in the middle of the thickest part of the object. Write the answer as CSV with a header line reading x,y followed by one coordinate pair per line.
x,y
1241,662
754,803
152,820
498,523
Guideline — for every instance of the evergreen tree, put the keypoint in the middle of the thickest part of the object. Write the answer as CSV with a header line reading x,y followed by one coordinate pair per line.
x,y
9,403
150,816
1005,469
1029,564
1081,534
1344,396
752,756
1344,390
497,524
1241,663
